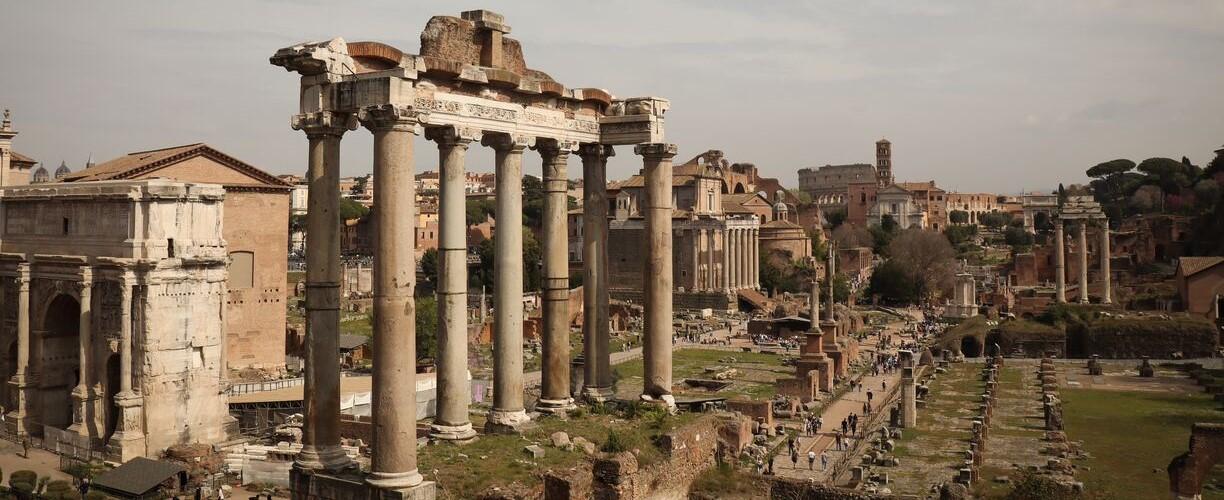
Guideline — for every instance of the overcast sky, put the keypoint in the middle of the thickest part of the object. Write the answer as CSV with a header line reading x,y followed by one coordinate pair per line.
x,y
978,95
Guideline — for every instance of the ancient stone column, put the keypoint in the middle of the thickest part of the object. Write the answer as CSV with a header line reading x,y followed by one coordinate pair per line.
x,y
736,260
555,376
22,383
725,280
754,261
1083,255
707,239
909,398
1106,280
128,439
658,271
454,392
321,433
80,394
507,414
694,283
393,458
596,334
1060,276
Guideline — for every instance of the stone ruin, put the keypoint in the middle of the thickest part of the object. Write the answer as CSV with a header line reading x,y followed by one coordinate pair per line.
x,y
1094,365
1188,471
1146,369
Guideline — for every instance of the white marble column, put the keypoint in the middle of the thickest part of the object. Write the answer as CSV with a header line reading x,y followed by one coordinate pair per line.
x,y
1106,279
393,457
694,240
596,332
508,414
736,260
656,159
1060,275
80,394
129,439
321,433
555,377
452,422
1083,255
22,383
707,240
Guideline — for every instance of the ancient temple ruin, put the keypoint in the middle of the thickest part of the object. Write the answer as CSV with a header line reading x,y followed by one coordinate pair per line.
x,y
469,84
1082,210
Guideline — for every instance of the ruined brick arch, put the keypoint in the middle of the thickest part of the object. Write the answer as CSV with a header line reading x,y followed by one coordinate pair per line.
x,y
1188,470
739,188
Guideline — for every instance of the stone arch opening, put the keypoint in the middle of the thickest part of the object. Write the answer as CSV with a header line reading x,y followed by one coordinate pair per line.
x,y
59,364
739,188
112,389
971,347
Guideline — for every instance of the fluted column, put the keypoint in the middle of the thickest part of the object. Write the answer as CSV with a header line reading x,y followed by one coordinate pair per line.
x,y
1060,275
508,414
22,383
658,271
129,439
736,251
694,238
555,376
393,457
321,432
707,239
1106,280
596,333
1083,255
454,392
80,394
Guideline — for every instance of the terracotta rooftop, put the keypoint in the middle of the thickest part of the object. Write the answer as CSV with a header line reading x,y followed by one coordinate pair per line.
x,y
133,164
1193,265
22,158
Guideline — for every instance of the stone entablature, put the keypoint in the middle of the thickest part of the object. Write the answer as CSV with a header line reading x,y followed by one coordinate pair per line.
x,y
134,307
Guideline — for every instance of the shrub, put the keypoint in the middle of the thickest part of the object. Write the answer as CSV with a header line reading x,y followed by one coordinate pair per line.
x,y
23,481
615,443
60,490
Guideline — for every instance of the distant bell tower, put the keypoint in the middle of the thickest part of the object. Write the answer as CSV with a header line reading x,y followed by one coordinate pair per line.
x,y
884,175
6,148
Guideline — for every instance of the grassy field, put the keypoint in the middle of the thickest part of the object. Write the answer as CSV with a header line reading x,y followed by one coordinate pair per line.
x,y
466,471
1132,436
757,371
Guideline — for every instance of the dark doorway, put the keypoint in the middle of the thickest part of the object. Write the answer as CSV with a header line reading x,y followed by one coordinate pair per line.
x,y
59,360
971,347
112,389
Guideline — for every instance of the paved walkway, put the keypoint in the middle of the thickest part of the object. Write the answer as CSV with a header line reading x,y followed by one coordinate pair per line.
x,y
42,462
832,415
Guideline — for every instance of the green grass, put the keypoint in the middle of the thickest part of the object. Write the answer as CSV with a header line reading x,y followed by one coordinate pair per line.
x,y
465,471
757,371
1132,436
357,326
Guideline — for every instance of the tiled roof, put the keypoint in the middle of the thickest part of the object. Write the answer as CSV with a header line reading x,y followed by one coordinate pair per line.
x,y
138,476
1193,265
22,158
133,164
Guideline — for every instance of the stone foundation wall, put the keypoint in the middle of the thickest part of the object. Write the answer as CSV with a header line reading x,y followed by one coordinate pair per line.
x,y
683,300
1133,338
793,489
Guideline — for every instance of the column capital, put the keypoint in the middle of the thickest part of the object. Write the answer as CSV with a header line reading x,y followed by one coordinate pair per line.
x,y
507,143
452,136
324,123
87,279
554,149
388,117
591,150
23,275
656,150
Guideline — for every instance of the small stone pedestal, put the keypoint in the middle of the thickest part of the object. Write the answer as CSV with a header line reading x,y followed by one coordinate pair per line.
x,y
16,422
506,422
453,433
596,395
555,406
80,409
305,484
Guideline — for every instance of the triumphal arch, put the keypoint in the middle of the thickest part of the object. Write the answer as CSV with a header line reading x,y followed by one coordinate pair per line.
x,y
111,319
469,85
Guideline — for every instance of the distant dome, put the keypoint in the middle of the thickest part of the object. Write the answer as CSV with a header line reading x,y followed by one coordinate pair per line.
x,y
62,170
40,176
781,207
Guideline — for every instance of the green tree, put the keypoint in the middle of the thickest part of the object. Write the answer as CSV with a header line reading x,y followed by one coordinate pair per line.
x,y
426,327
1017,237
835,217
927,258
429,272
533,259
994,220
360,186
350,209
479,210
958,235
892,284
958,217
1171,175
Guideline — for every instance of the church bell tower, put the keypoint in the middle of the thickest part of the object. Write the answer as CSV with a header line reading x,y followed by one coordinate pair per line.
x,y
884,175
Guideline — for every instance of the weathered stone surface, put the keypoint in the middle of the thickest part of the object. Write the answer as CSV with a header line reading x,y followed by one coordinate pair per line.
x,y
534,451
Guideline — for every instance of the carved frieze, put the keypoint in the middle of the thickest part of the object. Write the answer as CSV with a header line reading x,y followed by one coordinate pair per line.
x,y
107,321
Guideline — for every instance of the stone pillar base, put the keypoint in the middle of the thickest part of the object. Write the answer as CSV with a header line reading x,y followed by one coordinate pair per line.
x,y
462,433
311,485
666,400
17,421
597,394
128,442
506,421
837,361
323,458
395,481
80,409
555,406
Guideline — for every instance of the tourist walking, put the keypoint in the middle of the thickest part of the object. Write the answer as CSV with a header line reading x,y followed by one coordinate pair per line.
x,y
794,459
824,461
812,459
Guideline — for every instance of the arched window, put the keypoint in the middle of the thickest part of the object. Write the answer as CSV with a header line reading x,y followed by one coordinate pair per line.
x,y
241,270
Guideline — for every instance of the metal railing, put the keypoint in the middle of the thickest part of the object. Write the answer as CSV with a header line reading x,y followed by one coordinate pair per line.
x,y
261,386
